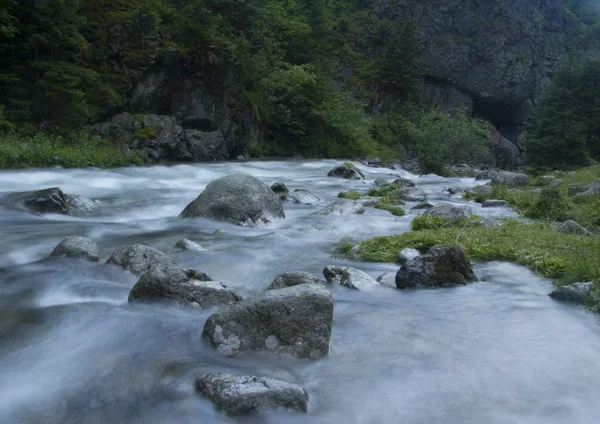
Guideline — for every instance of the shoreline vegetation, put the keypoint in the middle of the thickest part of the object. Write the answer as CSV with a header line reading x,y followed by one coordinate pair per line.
x,y
538,243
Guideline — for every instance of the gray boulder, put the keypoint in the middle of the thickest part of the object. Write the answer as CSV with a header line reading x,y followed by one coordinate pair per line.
x,y
454,190
406,255
571,227
575,293
139,258
77,247
422,206
451,213
555,183
441,266
80,205
295,321
574,189
413,194
369,201
593,188
49,200
186,287
243,395
380,182
481,190
388,279
347,171
290,279
186,244
349,277
240,199
280,189
342,207
546,179
511,179
494,203
487,174
304,197
404,182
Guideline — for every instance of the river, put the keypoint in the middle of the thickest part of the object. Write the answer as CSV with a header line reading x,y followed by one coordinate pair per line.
x,y
72,350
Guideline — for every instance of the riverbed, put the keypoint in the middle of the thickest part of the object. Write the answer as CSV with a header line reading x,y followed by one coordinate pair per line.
x,y
72,350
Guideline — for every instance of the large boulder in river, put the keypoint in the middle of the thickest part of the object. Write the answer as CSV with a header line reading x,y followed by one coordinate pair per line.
x,y
511,179
280,189
452,213
349,277
296,321
348,171
441,266
240,199
343,207
294,278
49,200
186,287
80,205
77,247
139,258
242,395
575,293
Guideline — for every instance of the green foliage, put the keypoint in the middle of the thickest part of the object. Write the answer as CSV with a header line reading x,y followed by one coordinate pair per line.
x,y
389,193
352,195
394,210
550,205
562,257
564,128
422,222
438,140
147,132
75,150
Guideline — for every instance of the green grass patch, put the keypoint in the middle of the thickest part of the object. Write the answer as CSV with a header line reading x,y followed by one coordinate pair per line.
x,y
390,193
76,151
352,195
565,258
394,210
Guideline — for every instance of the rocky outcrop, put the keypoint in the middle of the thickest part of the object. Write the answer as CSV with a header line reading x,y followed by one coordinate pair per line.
x,y
77,247
295,321
240,199
575,293
511,179
349,277
243,395
441,266
52,200
139,258
342,207
347,171
186,287
294,278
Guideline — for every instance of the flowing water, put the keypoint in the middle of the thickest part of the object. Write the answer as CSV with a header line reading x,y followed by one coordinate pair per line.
x,y
72,350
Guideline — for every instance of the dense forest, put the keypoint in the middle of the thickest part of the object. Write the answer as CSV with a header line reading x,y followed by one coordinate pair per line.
x,y
59,75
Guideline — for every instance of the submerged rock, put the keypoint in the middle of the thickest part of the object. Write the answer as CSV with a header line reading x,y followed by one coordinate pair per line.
x,y
139,258
347,171
187,287
422,206
49,200
242,395
295,320
304,197
349,277
380,182
186,244
342,207
240,199
571,227
494,203
451,213
413,194
511,179
441,266
575,293
388,279
295,278
80,205
369,201
280,189
77,247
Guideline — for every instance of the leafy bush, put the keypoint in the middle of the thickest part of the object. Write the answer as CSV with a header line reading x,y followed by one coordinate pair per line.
x,y
352,195
550,205
394,210
422,222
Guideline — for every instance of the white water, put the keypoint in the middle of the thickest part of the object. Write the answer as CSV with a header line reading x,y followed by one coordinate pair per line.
x,y
73,351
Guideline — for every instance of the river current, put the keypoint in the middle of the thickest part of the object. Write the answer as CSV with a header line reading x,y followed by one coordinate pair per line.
x,y
72,350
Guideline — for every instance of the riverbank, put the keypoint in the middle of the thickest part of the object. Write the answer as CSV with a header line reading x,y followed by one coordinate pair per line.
x,y
76,151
